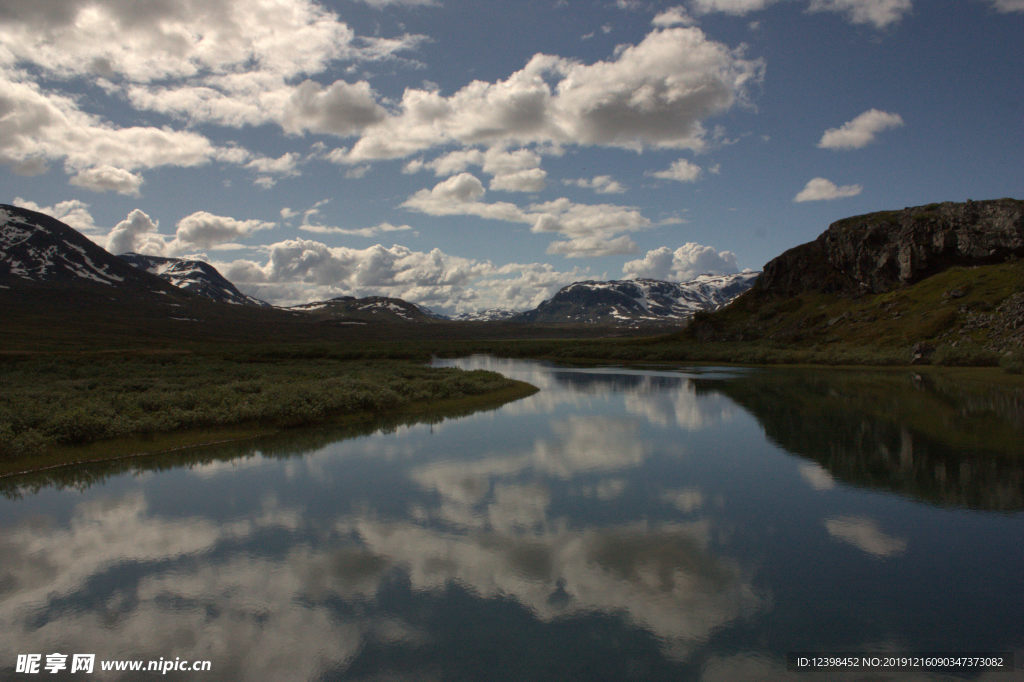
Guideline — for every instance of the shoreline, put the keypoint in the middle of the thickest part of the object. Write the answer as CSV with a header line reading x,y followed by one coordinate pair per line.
x,y
127,447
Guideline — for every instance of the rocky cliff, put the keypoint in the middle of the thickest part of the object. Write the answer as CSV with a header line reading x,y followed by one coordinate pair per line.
x,y
879,252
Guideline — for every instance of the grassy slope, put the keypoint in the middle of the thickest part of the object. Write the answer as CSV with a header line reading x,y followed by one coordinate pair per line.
x,y
951,312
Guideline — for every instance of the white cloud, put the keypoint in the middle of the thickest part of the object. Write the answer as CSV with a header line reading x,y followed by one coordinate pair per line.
x,y
531,180
382,228
1008,5
681,170
460,195
136,233
200,230
303,270
341,108
736,7
682,265
72,212
592,247
231,62
652,94
602,184
586,225
108,178
40,124
163,40
878,13
861,131
203,230
410,3
673,16
282,165
511,171
821,189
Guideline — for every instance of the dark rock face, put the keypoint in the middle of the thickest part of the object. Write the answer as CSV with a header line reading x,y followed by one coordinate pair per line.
x,y
879,252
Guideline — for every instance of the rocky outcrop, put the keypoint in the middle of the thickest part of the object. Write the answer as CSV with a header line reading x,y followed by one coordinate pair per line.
x,y
879,252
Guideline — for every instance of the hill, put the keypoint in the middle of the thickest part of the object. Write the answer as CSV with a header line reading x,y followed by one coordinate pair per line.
x,y
366,310
941,279
193,276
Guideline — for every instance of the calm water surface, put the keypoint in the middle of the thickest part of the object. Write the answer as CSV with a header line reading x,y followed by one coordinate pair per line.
x,y
618,524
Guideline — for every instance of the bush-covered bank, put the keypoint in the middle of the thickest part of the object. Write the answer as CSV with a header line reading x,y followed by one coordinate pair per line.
x,y
68,400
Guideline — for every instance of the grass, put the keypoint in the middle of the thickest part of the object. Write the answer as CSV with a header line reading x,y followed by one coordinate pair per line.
x,y
63,401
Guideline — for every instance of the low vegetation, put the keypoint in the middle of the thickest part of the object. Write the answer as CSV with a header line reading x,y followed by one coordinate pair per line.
x,y
68,400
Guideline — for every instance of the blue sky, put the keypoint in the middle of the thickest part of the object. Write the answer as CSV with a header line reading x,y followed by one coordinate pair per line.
x,y
466,155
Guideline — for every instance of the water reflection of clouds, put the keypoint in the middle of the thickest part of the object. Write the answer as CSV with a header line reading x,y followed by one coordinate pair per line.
x,y
663,577
864,534
662,398
817,476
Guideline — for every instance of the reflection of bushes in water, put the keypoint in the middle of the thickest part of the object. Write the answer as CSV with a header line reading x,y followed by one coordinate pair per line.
x,y
76,400
927,436
281,445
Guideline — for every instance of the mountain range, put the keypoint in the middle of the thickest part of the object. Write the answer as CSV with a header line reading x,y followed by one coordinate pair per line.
x,y
35,248
194,276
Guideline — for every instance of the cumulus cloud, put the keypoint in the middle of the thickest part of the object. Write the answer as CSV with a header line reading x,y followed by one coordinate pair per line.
x,y
531,180
822,189
586,225
200,230
653,94
49,125
231,62
341,108
108,179
511,171
681,170
683,264
878,13
303,270
592,247
602,184
673,16
72,212
204,230
861,131
382,228
736,7
136,233
461,195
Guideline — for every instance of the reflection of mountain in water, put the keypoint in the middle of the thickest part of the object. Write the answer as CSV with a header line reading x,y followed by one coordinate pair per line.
x,y
928,438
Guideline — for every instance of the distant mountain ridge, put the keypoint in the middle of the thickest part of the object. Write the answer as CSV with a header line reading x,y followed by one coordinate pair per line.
x,y
352,310
638,302
191,275
36,249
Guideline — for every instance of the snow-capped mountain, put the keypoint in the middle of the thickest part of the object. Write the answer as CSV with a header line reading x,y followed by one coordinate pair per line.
x,y
489,315
36,249
351,310
638,302
192,275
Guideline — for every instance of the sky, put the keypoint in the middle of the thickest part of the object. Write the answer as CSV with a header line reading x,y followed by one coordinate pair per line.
x,y
470,154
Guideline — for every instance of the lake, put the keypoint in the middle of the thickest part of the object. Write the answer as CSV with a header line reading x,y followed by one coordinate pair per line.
x,y
694,523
